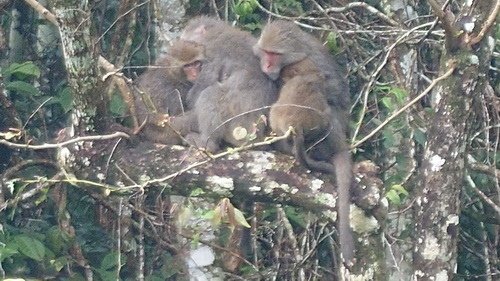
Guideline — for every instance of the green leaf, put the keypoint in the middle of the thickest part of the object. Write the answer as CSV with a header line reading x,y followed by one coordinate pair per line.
x,y
59,263
22,88
240,218
399,189
25,69
196,192
65,99
331,42
6,252
109,261
393,197
30,247
387,103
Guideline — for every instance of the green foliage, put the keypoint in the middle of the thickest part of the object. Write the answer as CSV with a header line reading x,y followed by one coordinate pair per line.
x,y
396,194
117,106
332,43
289,7
24,252
22,71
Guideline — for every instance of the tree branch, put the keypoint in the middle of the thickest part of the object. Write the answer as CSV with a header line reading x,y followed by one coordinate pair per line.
x,y
404,108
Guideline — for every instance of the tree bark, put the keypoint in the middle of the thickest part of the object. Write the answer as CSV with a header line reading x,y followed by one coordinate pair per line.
x,y
437,201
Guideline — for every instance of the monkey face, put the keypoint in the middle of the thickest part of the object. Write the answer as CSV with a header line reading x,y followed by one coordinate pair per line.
x,y
192,70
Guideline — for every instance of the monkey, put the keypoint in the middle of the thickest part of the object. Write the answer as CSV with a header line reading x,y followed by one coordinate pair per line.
x,y
302,105
231,91
283,44
167,87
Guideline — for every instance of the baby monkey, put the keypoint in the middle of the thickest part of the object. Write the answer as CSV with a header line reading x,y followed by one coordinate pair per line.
x,y
302,104
165,89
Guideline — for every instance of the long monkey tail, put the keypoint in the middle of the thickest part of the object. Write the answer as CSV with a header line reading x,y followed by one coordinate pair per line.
x,y
342,168
304,159
343,172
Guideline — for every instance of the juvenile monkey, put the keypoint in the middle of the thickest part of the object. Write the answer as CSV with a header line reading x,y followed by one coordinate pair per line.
x,y
303,106
231,90
288,52
165,88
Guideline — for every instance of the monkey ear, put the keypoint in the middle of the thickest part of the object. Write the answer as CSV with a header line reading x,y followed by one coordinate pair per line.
x,y
293,57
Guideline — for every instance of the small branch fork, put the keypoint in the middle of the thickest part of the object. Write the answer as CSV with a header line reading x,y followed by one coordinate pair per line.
x,y
404,108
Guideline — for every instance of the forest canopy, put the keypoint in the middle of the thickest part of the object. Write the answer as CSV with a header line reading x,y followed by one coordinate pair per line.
x,y
85,196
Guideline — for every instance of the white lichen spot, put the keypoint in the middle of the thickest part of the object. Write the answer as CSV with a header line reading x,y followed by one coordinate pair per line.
x,y
316,184
419,273
474,60
64,155
468,3
178,147
144,178
86,161
202,256
452,220
240,165
120,184
436,163
255,188
234,156
431,248
491,42
469,26
100,176
330,214
326,198
223,182
360,223
261,163
442,276
269,187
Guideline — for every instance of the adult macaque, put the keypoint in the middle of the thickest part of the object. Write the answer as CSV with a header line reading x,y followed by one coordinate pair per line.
x,y
164,93
282,43
312,77
231,92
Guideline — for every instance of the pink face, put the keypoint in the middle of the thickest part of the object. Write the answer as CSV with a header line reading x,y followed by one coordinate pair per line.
x,y
270,64
192,70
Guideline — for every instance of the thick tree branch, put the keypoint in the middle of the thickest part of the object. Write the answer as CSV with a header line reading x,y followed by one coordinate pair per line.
x,y
487,24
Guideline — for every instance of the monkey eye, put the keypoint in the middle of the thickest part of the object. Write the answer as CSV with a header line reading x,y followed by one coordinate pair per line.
x,y
271,53
193,64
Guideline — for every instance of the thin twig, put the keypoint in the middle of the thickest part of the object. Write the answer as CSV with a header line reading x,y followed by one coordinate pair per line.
x,y
62,144
219,155
487,24
415,100
377,72
43,11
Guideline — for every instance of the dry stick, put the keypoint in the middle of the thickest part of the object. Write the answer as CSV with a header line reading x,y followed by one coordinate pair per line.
x,y
43,11
483,196
487,24
61,144
397,113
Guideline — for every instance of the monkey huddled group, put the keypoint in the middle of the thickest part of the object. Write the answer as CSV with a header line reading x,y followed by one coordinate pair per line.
x,y
217,80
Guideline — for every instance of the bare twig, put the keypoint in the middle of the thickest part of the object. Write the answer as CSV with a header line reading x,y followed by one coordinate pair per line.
x,y
415,100
376,73
365,6
483,196
487,24
62,144
43,11
219,155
